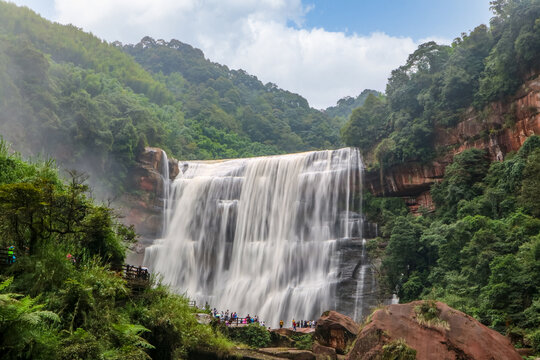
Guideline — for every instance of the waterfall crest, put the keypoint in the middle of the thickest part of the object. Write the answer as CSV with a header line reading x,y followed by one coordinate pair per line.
x,y
261,235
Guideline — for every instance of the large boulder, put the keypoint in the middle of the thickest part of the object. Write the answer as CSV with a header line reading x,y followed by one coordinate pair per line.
x,y
323,352
336,330
281,338
451,335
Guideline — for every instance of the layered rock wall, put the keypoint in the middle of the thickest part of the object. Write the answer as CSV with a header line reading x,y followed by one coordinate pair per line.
x,y
500,129
143,207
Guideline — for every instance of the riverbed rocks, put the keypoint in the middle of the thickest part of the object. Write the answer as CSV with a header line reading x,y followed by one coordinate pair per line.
x,y
336,331
288,353
454,335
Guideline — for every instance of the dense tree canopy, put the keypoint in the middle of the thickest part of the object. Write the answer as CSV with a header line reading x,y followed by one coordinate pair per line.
x,y
63,296
437,84
93,105
480,250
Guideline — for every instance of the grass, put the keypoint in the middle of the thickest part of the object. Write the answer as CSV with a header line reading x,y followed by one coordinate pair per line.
x,y
427,314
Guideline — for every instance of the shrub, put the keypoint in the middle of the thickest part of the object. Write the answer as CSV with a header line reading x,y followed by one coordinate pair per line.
x,y
398,350
427,314
303,342
254,335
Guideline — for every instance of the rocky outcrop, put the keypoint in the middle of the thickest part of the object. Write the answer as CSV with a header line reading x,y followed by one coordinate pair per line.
x,y
500,129
336,331
324,352
143,207
410,179
459,337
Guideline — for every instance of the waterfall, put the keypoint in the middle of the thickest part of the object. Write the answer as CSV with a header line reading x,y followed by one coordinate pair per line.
x,y
261,235
165,181
360,277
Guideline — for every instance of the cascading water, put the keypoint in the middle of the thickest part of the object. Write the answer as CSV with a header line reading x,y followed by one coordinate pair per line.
x,y
261,235
165,179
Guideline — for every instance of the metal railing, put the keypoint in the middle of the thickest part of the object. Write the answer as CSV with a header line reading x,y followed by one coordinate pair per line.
x,y
134,273
6,258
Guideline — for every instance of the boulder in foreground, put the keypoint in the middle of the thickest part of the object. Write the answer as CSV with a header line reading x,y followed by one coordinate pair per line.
x,y
429,330
336,331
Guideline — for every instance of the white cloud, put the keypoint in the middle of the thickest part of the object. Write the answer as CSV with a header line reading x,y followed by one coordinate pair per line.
x,y
254,35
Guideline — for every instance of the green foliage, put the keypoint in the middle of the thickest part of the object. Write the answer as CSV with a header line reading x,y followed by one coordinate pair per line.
x,y
529,197
80,345
303,342
480,251
232,101
534,339
398,350
85,310
383,210
438,84
460,181
26,329
366,125
173,329
346,105
254,335
427,314
407,257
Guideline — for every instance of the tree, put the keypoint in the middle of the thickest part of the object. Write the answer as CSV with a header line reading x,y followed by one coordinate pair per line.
x,y
366,124
21,212
461,177
530,196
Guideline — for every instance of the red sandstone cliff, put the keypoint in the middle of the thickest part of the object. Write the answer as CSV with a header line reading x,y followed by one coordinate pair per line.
x,y
502,128
143,207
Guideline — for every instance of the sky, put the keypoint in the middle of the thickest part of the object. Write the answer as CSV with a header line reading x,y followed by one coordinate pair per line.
x,y
321,49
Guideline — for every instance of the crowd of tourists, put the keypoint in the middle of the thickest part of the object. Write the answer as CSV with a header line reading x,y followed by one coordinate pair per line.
x,y
232,319
300,324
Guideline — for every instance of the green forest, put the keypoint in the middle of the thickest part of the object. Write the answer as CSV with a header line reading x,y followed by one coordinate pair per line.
x,y
62,297
93,106
480,250
438,84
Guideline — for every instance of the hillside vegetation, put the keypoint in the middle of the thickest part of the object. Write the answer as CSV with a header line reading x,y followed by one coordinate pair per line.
x,y
93,105
439,83
63,297
479,251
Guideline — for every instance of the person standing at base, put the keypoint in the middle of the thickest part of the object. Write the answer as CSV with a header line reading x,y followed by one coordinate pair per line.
x,y
281,324
11,254
294,325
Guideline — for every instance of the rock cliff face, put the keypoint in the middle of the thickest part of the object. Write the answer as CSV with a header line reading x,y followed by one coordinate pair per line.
x,y
461,337
144,206
500,129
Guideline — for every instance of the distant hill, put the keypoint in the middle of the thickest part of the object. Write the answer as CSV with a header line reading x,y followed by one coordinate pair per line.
x,y
346,105
92,105
233,100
